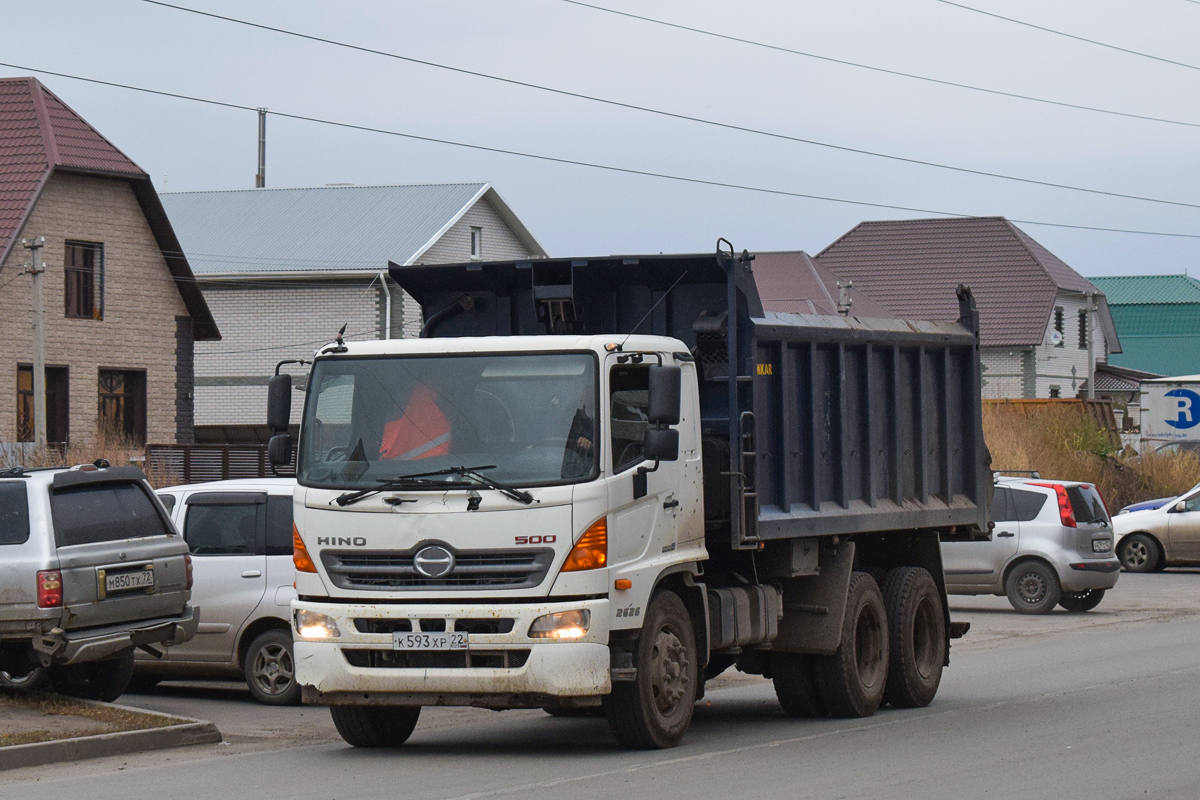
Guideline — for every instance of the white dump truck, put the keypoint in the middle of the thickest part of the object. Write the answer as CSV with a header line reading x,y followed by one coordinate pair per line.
x,y
595,483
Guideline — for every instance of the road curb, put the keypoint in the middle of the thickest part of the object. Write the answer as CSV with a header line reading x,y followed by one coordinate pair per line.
x,y
188,732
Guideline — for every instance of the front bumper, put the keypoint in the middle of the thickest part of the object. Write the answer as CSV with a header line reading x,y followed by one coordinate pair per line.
x,y
357,668
96,644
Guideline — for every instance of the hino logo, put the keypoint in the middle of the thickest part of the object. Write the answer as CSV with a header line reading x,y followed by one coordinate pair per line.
x,y
341,541
433,561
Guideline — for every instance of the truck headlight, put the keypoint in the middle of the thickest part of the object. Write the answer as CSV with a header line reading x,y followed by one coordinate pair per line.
x,y
314,625
561,625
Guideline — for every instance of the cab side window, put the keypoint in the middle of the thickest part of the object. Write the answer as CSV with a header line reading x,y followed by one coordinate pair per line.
x,y
629,393
225,524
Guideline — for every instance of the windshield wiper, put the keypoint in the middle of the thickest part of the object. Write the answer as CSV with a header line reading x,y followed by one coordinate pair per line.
x,y
422,479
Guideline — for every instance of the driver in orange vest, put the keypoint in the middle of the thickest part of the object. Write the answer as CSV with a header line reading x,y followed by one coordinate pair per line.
x,y
420,432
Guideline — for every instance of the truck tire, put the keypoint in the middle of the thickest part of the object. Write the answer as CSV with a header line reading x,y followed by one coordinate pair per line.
x,y
95,680
270,669
916,636
1081,601
654,711
375,726
795,680
852,680
1033,588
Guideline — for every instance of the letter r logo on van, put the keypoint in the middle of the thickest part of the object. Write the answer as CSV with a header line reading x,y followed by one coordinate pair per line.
x,y
1187,408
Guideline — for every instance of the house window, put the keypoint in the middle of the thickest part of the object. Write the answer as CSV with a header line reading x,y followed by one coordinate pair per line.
x,y
58,413
1059,325
123,406
476,242
1083,329
1055,392
83,287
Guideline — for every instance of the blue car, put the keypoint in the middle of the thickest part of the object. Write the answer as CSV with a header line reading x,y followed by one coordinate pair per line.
x,y
1150,505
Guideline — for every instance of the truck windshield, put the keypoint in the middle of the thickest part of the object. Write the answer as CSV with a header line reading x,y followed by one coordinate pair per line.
x,y
372,419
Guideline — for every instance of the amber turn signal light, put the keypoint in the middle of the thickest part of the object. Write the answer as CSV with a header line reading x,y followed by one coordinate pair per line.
x,y
591,551
622,584
300,556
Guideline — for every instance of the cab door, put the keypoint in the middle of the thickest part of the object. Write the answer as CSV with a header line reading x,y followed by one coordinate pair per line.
x,y
226,534
979,564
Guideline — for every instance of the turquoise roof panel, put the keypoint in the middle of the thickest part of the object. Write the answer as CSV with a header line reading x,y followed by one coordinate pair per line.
x,y
1154,289
1166,355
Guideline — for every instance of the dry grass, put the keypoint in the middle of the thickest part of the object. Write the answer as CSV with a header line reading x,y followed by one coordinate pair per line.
x,y
116,453
1066,443
92,719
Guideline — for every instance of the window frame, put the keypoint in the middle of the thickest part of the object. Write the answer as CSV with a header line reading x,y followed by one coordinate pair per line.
x,y
476,245
73,306
229,500
1083,328
58,404
139,400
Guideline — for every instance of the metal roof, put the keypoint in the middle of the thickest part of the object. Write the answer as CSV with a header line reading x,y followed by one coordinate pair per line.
x,y
910,267
329,229
790,281
41,135
1149,289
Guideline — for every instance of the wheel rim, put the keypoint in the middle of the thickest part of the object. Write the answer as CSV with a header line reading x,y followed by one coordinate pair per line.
x,y
18,681
670,665
273,669
868,646
1136,554
1032,588
926,642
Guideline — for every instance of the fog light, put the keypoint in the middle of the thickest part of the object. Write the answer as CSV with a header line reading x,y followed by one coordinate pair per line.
x,y
313,625
561,625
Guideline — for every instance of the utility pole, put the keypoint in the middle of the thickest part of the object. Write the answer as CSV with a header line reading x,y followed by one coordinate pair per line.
x,y
260,180
36,268
1091,319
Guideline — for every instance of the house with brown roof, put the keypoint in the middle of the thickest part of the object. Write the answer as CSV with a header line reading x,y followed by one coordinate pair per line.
x,y
121,307
1036,329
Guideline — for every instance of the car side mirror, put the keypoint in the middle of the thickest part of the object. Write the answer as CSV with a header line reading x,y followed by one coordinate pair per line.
x,y
664,395
279,403
661,444
1181,506
279,450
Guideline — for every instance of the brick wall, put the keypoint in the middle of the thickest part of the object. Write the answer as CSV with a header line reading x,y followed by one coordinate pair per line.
x,y
141,303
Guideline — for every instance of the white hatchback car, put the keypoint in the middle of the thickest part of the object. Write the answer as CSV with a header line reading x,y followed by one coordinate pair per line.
x,y
240,535
1052,544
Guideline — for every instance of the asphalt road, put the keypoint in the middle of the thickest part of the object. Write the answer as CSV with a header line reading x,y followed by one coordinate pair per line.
x,y
1097,705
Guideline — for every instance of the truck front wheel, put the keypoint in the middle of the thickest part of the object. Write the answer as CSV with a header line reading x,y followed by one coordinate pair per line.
x,y
852,680
375,726
654,711
917,634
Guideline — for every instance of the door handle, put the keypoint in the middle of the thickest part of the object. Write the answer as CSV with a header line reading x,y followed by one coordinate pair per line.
x,y
670,504
252,573
1005,535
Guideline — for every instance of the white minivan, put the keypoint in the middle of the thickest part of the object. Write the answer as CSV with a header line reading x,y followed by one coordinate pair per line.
x,y
240,536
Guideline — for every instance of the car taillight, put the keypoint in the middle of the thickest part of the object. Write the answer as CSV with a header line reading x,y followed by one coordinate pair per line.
x,y
49,588
1065,512
187,565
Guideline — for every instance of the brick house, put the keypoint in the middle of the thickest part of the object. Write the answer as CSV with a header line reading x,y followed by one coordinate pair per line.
x,y
1035,326
284,269
121,307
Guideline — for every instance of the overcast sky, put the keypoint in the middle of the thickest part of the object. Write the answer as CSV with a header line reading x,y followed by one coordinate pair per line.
x,y
580,211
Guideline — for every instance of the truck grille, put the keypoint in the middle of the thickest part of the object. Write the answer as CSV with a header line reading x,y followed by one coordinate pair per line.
x,y
472,570
433,659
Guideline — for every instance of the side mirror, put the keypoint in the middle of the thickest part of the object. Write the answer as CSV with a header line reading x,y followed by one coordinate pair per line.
x,y
663,402
279,403
660,444
1181,506
279,450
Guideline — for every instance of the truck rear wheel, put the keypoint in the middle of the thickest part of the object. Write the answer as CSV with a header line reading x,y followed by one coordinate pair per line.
x,y
654,711
375,726
795,680
852,680
917,637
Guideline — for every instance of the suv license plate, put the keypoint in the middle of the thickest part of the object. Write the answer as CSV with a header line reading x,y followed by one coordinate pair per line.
x,y
127,581
456,640
1101,545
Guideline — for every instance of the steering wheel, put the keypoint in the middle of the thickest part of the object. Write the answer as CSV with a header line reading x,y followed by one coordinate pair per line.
x,y
628,452
337,454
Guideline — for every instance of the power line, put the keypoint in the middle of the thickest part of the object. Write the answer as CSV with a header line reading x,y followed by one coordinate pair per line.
x,y
593,165
886,71
681,117
1068,35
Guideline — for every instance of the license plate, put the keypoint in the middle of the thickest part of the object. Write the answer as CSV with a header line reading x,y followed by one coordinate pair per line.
x,y
142,579
1101,545
456,640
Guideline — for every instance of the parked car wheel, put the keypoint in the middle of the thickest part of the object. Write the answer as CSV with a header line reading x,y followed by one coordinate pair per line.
x,y
1033,588
22,679
375,726
1139,553
95,680
1081,601
270,669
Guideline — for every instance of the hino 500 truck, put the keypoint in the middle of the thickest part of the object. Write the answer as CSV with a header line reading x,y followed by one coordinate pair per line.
x,y
593,484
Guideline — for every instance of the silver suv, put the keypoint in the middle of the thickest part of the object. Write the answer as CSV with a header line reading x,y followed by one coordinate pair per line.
x,y
91,568
1052,544
240,534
